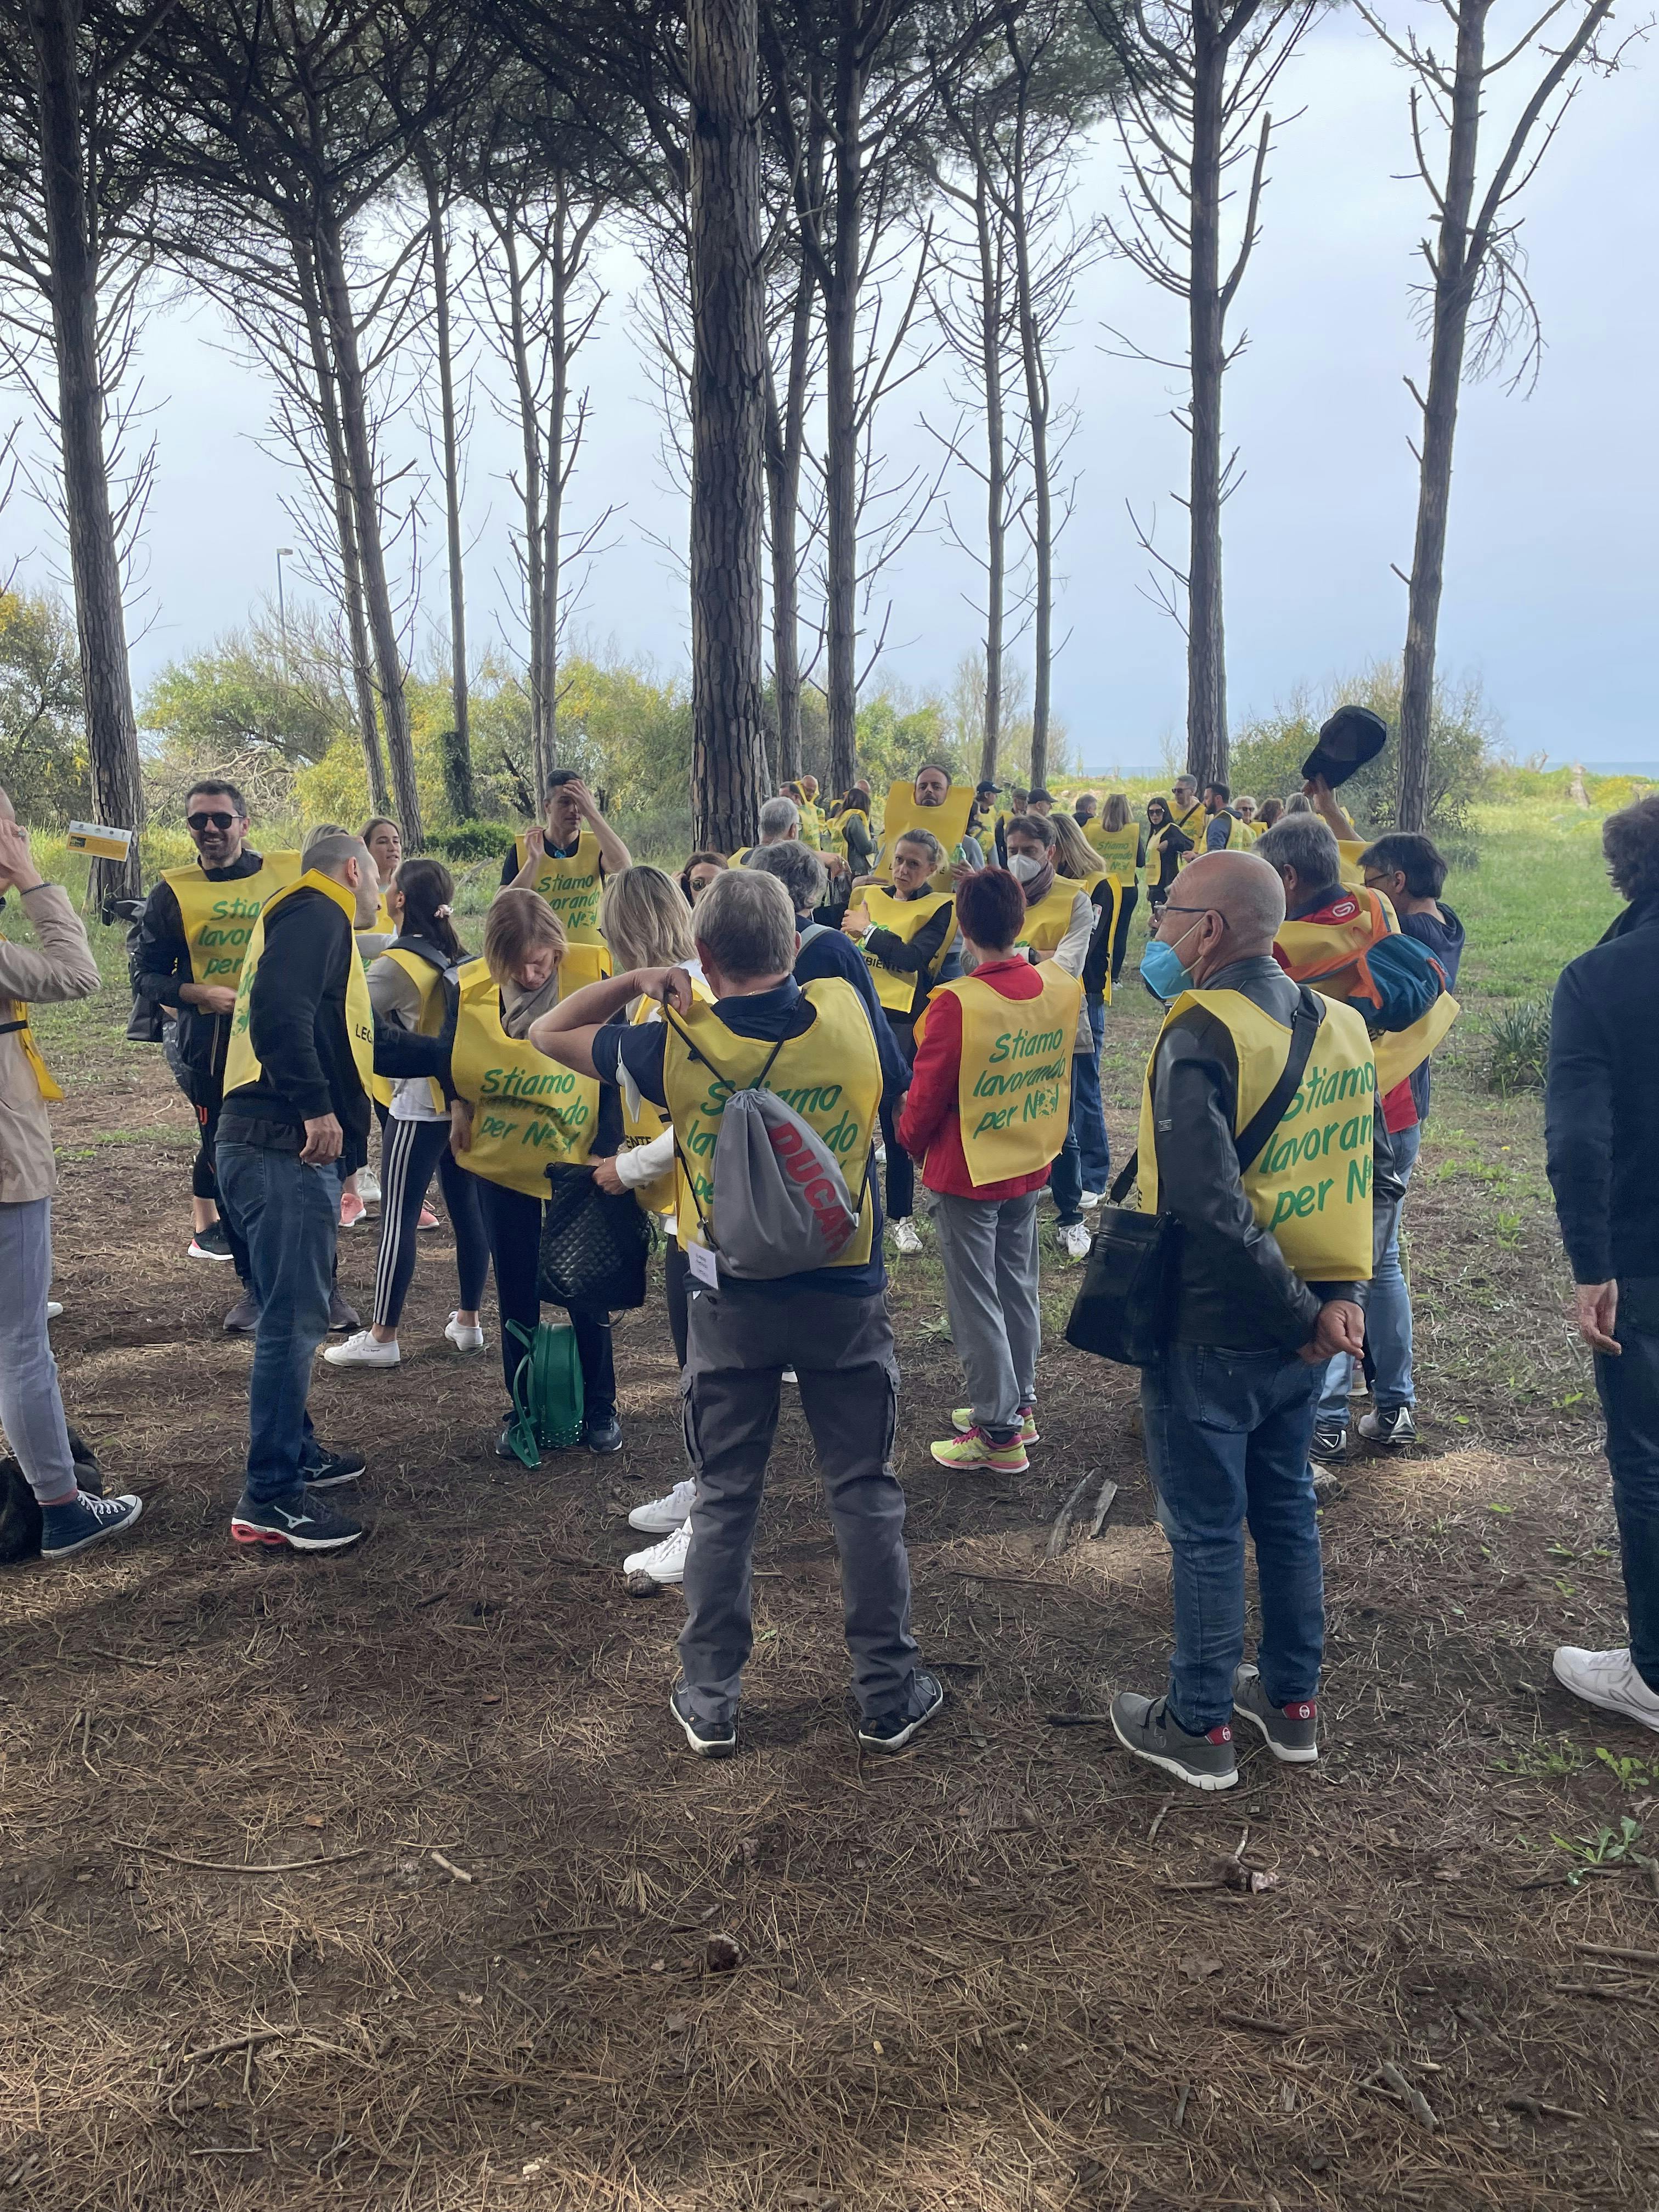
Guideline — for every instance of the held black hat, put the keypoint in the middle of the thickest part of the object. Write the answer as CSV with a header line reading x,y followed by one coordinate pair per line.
x,y
1352,736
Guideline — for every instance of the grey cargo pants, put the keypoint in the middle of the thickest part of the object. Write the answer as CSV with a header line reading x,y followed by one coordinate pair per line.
x,y
842,1350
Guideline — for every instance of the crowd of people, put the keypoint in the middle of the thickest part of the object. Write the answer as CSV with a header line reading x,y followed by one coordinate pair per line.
x,y
871,1031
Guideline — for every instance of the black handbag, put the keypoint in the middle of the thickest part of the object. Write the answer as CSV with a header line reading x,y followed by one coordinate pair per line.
x,y
594,1242
1125,1310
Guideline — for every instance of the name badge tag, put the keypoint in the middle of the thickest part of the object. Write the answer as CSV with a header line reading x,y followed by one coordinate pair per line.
x,y
705,1267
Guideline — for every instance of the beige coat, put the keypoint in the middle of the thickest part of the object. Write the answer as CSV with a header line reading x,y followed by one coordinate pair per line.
x,y
59,967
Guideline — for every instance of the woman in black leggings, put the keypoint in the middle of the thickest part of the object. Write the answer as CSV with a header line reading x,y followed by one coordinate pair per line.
x,y
523,946
410,984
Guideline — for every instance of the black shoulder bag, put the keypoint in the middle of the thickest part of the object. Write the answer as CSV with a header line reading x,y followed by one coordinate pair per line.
x,y
1126,1308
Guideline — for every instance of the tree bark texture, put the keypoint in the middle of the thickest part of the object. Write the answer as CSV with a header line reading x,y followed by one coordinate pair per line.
x,y
786,430
95,558
366,515
728,409
841,301
1206,667
1454,292
457,740
351,574
996,468
555,469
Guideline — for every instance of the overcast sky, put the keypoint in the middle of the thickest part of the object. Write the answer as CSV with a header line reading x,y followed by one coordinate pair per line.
x,y
1552,574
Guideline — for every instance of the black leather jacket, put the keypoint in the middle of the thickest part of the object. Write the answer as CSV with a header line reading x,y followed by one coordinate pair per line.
x,y
1236,1290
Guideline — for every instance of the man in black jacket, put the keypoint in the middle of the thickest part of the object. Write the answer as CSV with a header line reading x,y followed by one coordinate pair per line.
x,y
215,815
1228,1405
294,1122
1602,1128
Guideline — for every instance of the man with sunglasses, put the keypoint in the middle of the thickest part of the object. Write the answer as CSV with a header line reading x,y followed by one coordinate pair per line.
x,y
195,928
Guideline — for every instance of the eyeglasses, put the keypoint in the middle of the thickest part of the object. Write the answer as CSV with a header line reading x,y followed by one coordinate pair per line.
x,y
208,821
1169,907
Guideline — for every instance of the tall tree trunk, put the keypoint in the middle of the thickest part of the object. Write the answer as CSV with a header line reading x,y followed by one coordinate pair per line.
x,y
95,558
1036,414
351,574
1453,294
365,512
784,436
555,470
728,380
1206,671
996,470
458,741
842,427
529,494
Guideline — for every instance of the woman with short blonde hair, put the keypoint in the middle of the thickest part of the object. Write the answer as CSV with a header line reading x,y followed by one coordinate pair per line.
x,y
644,919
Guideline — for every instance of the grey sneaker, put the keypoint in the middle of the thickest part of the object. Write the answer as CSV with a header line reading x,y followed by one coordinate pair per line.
x,y
1291,1731
1330,1440
1388,1425
894,1730
244,1316
708,1739
1146,1727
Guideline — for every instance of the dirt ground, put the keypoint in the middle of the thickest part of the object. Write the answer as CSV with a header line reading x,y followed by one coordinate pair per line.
x,y
386,1881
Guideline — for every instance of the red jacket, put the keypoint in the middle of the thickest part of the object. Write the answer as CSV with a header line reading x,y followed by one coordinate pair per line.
x,y
930,1124
1399,1108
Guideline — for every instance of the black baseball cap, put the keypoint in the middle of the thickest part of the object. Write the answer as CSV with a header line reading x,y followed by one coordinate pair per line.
x,y
987,790
1352,736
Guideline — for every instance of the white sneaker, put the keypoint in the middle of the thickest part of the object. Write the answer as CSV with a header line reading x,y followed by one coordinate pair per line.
x,y
664,1514
664,1562
790,1376
1608,1680
465,1337
1075,1240
362,1350
906,1238
368,1186
1091,1198
54,1307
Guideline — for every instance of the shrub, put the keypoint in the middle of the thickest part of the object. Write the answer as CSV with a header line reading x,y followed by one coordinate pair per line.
x,y
1267,753
1520,1055
472,841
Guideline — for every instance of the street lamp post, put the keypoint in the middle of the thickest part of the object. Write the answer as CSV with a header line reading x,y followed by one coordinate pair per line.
x,y
283,552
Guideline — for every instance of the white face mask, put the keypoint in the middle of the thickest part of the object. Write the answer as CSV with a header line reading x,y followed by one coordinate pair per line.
x,y
1023,867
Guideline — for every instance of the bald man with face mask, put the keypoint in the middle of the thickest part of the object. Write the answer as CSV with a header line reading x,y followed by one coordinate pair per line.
x,y
1276,1229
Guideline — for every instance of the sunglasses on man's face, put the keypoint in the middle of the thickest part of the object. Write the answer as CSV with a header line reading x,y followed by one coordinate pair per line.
x,y
199,822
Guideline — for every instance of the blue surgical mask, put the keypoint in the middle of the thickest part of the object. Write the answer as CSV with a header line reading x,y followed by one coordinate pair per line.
x,y
1162,969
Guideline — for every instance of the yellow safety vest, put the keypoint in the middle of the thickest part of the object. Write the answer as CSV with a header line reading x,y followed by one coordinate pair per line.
x,y
241,1066
1014,1086
16,1024
1327,953
1310,1184
571,887
948,821
1349,872
427,980
219,918
527,1111
811,823
1119,851
896,988
1047,922
830,1074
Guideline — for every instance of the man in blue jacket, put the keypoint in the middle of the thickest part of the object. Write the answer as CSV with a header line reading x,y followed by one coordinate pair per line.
x,y
1601,1127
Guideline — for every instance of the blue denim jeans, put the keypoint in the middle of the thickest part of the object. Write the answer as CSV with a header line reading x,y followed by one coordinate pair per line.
x,y
1073,1171
1630,1399
288,1215
1090,1116
1227,1436
1387,1300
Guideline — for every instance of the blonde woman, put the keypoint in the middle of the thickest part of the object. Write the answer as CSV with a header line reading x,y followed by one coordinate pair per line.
x,y
524,944
1086,1153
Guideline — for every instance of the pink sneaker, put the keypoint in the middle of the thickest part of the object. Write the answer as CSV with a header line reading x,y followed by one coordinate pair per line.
x,y
352,1209
428,1220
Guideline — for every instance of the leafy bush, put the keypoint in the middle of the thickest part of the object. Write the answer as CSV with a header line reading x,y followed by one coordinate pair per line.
x,y
1520,1055
472,841
42,741
1267,753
